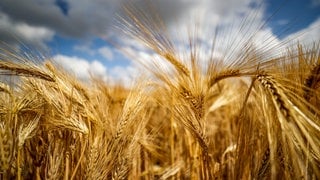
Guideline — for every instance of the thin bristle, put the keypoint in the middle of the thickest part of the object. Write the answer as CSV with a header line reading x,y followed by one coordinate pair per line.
x,y
24,70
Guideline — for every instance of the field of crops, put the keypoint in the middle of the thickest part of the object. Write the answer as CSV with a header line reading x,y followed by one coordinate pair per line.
x,y
255,116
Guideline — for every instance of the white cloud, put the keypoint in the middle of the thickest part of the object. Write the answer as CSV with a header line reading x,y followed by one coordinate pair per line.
x,y
142,58
82,68
106,52
36,35
85,48
282,22
91,19
98,69
315,3
125,75
238,22
307,35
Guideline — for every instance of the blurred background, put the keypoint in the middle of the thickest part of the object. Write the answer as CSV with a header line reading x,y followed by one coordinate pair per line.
x,y
81,36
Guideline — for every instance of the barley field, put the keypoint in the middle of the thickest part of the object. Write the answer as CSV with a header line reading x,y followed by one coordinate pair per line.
x,y
246,115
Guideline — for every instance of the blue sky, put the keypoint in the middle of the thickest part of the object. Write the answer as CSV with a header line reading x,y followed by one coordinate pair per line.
x,y
302,12
80,35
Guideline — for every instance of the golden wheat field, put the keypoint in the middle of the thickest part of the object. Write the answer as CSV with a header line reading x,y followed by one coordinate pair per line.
x,y
245,115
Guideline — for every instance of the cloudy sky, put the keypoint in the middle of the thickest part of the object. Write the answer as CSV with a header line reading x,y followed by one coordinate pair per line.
x,y
81,34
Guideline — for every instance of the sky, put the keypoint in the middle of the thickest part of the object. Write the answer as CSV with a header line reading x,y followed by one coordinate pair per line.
x,y
82,35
